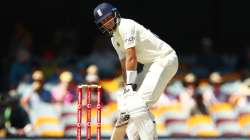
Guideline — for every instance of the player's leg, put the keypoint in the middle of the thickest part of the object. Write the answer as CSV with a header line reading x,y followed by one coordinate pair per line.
x,y
150,91
132,128
152,81
157,76
142,75
142,127
134,106
131,131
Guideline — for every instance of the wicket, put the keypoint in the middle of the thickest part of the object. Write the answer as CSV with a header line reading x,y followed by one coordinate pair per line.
x,y
80,91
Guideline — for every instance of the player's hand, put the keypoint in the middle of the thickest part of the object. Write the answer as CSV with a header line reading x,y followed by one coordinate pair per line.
x,y
123,119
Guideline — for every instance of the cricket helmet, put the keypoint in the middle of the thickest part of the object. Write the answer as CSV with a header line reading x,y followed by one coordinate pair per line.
x,y
104,10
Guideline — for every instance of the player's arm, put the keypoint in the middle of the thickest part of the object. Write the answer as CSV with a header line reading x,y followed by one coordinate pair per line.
x,y
123,67
128,64
131,60
131,65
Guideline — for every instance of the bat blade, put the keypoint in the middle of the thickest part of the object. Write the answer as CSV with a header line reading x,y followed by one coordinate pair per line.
x,y
119,132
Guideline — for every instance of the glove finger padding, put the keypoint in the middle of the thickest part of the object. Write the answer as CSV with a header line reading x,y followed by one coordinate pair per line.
x,y
123,119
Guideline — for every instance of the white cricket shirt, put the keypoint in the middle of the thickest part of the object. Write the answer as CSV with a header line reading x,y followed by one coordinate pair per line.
x,y
148,46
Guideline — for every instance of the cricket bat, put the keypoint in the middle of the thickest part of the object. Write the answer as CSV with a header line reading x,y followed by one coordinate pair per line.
x,y
119,132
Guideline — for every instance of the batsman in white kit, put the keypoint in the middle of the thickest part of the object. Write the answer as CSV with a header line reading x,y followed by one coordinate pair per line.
x,y
134,43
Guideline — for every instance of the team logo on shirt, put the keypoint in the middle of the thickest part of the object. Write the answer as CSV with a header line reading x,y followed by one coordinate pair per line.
x,y
130,40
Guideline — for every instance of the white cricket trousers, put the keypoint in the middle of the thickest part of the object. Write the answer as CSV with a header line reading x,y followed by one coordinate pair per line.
x,y
151,84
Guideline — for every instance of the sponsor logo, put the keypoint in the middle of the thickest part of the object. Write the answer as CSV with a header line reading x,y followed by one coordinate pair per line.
x,y
130,39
